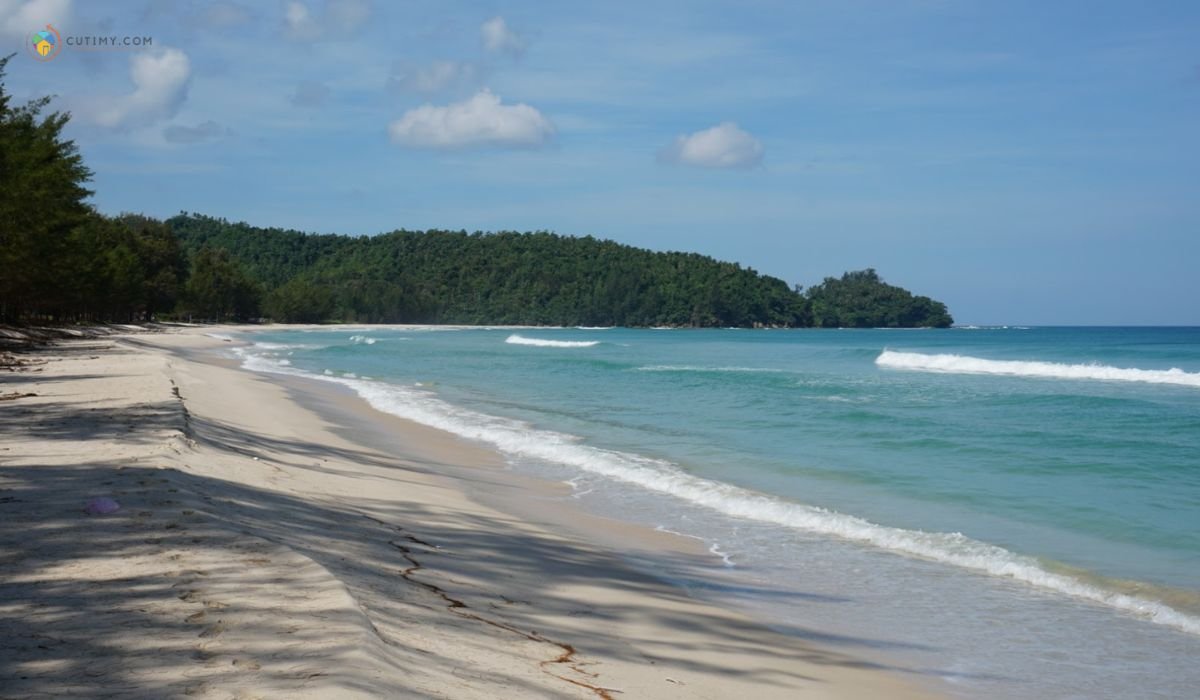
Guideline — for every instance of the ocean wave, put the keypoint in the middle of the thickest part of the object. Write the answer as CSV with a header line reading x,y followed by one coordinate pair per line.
x,y
520,439
263,345
362,340
964,364
515,339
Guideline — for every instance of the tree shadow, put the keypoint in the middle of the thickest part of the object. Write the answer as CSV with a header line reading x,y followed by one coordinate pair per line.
x,y
413,573
82,421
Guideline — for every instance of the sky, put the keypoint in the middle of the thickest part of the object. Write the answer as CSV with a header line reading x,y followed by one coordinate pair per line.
x,y
1025,162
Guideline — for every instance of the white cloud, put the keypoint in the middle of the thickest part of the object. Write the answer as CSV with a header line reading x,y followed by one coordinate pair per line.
x,y
339,18
435,77
479,121
160,80
498,38
722,146
20,19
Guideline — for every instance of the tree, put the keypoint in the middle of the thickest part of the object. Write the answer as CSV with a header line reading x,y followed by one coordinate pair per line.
x,y
862,299
219,289
42,195
300,301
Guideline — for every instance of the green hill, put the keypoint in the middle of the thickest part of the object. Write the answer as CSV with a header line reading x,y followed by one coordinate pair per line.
x,y
505,278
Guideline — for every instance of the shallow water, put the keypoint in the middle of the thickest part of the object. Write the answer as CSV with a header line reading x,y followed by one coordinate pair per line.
x,y
1013,510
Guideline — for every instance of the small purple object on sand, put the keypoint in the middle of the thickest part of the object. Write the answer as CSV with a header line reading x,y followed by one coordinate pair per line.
x,y
102,505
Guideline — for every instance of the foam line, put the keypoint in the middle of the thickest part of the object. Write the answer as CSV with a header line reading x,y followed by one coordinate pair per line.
x,y
515,339
964,364
520,439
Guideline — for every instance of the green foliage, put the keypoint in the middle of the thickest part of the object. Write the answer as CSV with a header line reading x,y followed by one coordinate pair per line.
x,y
59,259
41,202
456,277
300,301
219,288
863,300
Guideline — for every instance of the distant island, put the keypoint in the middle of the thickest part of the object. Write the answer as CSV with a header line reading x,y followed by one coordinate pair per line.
x,y
64,262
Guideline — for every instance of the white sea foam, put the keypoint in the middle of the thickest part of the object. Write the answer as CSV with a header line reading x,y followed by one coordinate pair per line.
x,y
263,345
362,339
963,364
515,339
714,548
519,439
220,336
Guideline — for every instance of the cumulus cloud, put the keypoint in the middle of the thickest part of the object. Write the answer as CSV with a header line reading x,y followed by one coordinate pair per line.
x,y
203,131
309,93
479,121
160,80
499,38
722,146
338,18
434,77
20,18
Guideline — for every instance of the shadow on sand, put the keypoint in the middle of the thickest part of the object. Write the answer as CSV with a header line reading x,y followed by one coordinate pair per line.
x,y
408,563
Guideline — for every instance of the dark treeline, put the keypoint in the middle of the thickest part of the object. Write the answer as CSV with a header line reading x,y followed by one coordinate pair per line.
x,y
538,278
456,277
61,261
863,300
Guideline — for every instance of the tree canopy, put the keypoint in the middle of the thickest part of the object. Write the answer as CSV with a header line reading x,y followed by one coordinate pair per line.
x,y
863,300
507,277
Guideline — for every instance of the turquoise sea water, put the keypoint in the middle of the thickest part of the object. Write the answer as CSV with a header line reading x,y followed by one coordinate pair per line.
x,y
1013,510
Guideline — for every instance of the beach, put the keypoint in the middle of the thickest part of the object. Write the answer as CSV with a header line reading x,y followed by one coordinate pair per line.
x,y
264,548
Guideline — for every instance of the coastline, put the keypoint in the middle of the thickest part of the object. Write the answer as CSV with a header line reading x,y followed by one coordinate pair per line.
x,y
265,548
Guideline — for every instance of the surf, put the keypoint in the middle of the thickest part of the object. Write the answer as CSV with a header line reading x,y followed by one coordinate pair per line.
x,y
516,339
965,364
519,439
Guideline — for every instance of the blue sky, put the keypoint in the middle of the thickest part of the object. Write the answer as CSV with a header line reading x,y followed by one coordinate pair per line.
x,y
1026,162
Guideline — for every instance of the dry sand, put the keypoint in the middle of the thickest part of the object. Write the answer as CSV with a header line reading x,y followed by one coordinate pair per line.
x,y
260,552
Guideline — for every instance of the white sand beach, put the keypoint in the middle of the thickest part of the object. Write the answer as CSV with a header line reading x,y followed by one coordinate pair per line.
x,y
261,551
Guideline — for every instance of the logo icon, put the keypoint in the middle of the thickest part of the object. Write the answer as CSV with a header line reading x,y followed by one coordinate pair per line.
x,y
45,44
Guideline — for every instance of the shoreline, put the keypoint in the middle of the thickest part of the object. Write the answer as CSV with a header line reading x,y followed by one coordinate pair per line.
x,y
278,552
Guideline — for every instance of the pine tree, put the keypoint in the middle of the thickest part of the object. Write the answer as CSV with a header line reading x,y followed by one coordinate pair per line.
x,y
42,195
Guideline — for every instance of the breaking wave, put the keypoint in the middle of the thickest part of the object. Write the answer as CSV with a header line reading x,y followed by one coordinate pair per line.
x,y
515,339
520,439
964,364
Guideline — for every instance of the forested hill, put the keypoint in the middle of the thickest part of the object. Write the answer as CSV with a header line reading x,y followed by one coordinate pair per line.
x,y
498,278
515,278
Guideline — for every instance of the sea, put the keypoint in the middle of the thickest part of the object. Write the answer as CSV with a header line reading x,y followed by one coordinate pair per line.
x,y
1004,512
